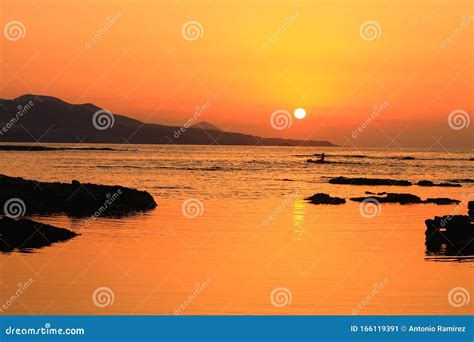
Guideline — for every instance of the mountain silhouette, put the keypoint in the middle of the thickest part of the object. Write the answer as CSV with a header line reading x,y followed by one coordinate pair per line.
x,y
207,125
37,118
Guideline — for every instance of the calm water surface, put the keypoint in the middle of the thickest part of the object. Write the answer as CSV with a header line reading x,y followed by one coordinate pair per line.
x,y
256,233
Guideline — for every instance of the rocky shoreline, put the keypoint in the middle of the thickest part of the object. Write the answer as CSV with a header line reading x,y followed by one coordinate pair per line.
x,y
74,199
20,197
24,235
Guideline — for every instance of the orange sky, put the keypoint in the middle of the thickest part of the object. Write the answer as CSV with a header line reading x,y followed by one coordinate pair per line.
x,y
253,58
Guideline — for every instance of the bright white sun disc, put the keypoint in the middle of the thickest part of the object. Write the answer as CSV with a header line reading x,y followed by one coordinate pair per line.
x,y
300,113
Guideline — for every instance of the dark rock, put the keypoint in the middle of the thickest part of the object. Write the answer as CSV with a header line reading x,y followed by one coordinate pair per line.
x,y
465,180
325,199
24,235
450,235
36,148
405,199
75,199
392,198
442,201
368,181
425,183
430,183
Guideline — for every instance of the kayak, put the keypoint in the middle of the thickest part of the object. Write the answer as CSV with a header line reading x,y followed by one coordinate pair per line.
x,y
318,161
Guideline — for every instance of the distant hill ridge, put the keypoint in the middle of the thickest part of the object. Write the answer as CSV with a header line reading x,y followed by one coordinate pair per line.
x,y
31,118
207,125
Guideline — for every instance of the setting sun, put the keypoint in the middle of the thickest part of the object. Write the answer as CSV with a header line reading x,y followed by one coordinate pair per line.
x,y
300,113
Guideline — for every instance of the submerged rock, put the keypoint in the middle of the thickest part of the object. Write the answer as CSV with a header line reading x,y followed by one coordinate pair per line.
x,y
442,201
75,199
325,199
24,235
392,198
368,181
405,199
430,183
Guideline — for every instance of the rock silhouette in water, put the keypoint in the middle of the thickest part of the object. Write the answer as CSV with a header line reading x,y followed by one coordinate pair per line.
x,y
23,235
405,199
451,235
368,181
430,183
392,198
325,199
75,199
